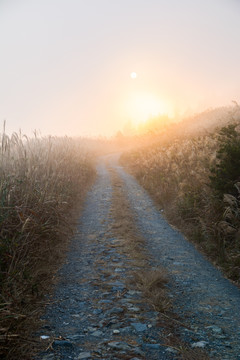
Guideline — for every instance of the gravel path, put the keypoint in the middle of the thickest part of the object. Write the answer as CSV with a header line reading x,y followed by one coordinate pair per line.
x,y
94,313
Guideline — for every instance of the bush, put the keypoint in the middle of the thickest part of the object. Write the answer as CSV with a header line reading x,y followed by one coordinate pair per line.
x,y
226,170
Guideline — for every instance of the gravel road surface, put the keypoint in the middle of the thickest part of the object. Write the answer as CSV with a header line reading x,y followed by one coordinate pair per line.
x,y
95,315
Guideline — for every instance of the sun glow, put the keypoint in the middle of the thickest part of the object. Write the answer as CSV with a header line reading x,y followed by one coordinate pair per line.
x,y
142,106
133,75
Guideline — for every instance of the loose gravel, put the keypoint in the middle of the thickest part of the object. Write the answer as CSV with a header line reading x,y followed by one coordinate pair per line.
x,y
94,314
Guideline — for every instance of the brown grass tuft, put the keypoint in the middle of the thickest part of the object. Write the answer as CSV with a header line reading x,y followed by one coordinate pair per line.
x,y
124,223
150,281
152,284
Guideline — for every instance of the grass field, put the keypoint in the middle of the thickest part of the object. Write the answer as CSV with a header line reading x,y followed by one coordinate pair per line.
x,y
42,184
176,170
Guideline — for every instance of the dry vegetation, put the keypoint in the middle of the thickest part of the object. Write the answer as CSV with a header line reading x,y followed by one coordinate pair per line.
x,y
150,281
42,183
177,171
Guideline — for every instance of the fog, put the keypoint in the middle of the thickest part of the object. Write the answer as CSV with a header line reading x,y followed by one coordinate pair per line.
x,y
65,65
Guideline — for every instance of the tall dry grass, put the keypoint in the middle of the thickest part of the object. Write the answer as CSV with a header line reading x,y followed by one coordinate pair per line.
x,y
175,170
41,181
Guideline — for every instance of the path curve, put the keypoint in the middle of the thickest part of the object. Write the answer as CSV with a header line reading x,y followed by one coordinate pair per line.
x,y
95,316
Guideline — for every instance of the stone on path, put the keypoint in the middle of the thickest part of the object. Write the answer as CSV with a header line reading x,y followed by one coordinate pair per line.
x,y
84,355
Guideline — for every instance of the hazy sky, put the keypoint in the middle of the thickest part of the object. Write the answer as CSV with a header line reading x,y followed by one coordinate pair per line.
x,y
65,65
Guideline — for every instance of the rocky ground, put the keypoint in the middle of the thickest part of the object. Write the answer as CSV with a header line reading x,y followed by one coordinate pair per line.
x,y
99,311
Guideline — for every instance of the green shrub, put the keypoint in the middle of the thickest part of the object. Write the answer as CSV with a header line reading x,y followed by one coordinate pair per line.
x,y
226,170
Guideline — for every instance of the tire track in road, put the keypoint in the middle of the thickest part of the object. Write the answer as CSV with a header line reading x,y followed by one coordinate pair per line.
x,y
96,314
208,302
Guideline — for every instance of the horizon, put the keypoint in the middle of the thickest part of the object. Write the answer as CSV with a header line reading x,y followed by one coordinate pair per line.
x,y
88,69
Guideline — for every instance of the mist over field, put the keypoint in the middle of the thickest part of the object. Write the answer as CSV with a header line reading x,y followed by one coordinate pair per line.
x,y
100,99
66,67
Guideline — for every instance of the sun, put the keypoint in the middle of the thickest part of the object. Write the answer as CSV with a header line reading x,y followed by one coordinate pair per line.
x,y
133,75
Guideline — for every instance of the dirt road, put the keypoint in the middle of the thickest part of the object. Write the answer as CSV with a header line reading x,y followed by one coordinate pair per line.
x,y
99,311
